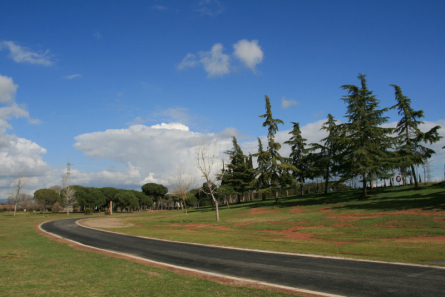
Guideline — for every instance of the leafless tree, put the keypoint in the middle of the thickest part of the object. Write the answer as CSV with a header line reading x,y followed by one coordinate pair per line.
x,y
67,193
17,186
181,184
207,154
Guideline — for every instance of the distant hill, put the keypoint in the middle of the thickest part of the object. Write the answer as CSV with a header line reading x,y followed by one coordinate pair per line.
x,y
3,201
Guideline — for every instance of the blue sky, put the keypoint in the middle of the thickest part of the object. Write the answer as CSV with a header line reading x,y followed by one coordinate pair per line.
x,y
90,79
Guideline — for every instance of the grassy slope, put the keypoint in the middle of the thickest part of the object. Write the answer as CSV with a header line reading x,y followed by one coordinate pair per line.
x,y
33,265
339,224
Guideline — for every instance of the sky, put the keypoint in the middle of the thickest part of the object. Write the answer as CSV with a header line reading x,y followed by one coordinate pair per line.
x,y
128,89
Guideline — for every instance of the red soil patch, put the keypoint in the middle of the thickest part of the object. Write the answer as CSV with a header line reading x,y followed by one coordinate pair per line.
x,y
422,238
293,233
297,209
352,217
192,227
257,211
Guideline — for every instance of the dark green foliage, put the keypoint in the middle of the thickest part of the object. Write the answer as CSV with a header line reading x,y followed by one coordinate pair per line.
x,y
275,167
156,191
46,197
109,193
127,199
88,211
328,150
239,173
410,137
90,197
366,145
298,155
143,199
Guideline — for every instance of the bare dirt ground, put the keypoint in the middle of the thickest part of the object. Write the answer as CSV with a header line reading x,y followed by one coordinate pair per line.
x,y
106,223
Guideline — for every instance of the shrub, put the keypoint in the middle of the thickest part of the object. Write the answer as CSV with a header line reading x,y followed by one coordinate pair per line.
x,y
88,211
56,207
107,212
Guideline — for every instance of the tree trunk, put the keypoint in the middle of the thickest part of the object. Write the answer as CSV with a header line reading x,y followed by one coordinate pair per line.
x,y
15,208
364,187
416,183
111,207
276,196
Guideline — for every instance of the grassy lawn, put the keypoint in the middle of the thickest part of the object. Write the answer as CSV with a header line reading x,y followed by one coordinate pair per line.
x,y
394,224
33,265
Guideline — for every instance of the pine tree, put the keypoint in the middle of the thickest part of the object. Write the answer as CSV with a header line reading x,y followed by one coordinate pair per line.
x,y
409,135
328,150
367,144
238,175
275,163
261,180
298,154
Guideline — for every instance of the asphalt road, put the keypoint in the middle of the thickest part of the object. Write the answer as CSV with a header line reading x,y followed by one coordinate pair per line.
x,y
334,276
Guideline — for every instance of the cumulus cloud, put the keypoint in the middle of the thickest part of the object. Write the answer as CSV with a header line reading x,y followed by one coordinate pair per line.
x,y
22,54
73,76
217,63
176,114
249,52
11,109
288,103
22,155
152,153
7,89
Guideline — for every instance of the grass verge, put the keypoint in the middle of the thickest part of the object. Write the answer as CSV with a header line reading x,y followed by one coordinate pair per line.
x,y
33,265
394,224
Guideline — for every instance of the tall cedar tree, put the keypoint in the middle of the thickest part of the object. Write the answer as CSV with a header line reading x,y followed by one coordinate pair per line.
x,y
410,136
366,143
275,163
238,175
328,150
298,154
261,180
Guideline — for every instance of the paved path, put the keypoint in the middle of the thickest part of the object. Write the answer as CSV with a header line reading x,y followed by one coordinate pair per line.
x,y
334,276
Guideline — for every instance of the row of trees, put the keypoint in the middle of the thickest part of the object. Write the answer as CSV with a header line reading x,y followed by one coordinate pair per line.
x,y
359,149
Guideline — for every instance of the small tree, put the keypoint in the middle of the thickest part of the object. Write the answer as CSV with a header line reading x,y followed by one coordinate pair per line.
x,y
46,198
156,191
206,158
181,184
409,135
17,186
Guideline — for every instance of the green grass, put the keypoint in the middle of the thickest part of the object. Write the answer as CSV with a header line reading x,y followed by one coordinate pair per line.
x,y
381,227
33,265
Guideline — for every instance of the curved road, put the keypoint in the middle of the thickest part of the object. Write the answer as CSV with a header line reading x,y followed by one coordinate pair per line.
x,y
333,276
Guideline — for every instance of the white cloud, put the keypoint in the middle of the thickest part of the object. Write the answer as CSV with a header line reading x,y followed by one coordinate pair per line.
x,y
73,76
189,61
215,62
170,126
11,108
22,155
288,103
153,152
7,89
249,52
22,54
